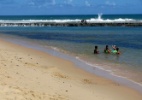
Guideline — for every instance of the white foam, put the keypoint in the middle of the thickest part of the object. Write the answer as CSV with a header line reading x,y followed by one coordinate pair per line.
x,y
124,80
119,20
93,65
99,19
91,20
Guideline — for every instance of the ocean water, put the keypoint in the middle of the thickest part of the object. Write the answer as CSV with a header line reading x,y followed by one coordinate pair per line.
x,y
80,41
100,18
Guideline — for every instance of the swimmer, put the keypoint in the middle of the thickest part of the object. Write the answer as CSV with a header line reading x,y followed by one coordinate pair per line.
x,y
115,50
107,50
96,50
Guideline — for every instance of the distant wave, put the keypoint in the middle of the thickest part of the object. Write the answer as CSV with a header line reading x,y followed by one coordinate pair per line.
x,y
91,20
70,22
119,20
40,21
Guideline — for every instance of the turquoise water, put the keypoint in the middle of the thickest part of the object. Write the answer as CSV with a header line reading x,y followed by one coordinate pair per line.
x,y
80,42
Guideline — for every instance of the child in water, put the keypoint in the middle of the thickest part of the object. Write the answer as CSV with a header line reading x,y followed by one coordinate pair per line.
x,y
115,50
107,50
96,50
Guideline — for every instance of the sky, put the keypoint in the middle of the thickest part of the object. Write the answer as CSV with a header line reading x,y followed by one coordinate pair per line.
x,y
69,7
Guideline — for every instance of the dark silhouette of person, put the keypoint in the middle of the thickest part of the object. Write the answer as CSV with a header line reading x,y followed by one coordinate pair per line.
x,y
107,50
96,50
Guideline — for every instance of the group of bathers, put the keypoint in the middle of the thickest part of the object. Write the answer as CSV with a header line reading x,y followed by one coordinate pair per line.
x,y
107,50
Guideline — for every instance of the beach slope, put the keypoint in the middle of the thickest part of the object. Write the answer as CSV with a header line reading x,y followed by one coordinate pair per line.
x,y
27,74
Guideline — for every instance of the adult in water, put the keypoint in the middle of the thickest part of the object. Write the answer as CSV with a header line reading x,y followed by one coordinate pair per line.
x,y
107,50
96,50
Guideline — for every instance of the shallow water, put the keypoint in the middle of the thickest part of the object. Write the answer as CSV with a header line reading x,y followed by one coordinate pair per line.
x,y
95,68
80,41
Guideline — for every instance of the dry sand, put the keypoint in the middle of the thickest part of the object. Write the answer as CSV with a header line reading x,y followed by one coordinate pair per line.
x,y
27,74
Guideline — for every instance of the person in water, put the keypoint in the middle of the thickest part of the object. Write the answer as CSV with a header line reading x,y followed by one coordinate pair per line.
x,y
107,50
96,50
115,50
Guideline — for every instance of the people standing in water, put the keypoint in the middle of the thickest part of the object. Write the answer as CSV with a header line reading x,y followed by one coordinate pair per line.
x,y
107,50
96,50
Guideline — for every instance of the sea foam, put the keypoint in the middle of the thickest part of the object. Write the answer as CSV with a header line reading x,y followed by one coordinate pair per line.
x,y
69,22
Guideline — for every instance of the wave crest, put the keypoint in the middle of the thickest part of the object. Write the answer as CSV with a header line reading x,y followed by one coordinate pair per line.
x,y
69,22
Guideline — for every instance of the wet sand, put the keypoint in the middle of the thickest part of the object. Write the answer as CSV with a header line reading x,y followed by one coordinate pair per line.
x,y
28,74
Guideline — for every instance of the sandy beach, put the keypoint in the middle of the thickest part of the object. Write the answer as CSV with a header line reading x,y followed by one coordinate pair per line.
x,y
27,74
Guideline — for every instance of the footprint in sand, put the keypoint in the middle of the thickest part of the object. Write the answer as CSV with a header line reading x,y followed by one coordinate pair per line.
x,y
87,81
57,97
60,75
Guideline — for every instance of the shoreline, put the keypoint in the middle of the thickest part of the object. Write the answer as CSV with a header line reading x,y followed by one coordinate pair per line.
x,y
89,67
65,80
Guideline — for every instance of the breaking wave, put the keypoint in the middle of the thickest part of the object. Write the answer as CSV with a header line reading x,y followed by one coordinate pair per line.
x,y
46,22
